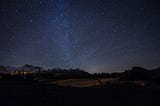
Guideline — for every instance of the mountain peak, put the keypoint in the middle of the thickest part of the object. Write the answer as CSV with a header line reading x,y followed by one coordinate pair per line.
x,y
138,68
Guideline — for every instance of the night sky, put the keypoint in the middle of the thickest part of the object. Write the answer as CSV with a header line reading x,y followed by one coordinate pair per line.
x,y
95,35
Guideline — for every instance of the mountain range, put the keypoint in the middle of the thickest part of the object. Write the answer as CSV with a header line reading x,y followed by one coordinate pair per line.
x,y
139,73
136,73
37,69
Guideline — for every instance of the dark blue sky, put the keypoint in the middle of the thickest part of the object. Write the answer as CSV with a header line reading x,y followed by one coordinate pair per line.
x,y
96,35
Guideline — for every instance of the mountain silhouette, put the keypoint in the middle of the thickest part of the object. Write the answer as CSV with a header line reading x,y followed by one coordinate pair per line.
x,y
139,73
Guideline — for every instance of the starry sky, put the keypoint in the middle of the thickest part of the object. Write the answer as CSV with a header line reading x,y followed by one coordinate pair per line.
x,y
95,35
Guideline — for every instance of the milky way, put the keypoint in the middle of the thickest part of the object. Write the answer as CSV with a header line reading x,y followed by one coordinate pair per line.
x,y
95,35
62,37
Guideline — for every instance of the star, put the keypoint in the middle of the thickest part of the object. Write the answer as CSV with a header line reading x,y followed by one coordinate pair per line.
x,y
30,20
17,10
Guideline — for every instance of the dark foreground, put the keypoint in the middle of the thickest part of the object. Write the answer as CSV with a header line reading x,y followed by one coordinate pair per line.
x,y
25,93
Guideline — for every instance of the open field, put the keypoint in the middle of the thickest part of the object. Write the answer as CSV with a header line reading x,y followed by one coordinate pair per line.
x,y
90,82
28,93
81,82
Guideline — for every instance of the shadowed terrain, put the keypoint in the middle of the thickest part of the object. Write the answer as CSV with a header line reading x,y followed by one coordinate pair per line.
x,y
33,86
28,93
